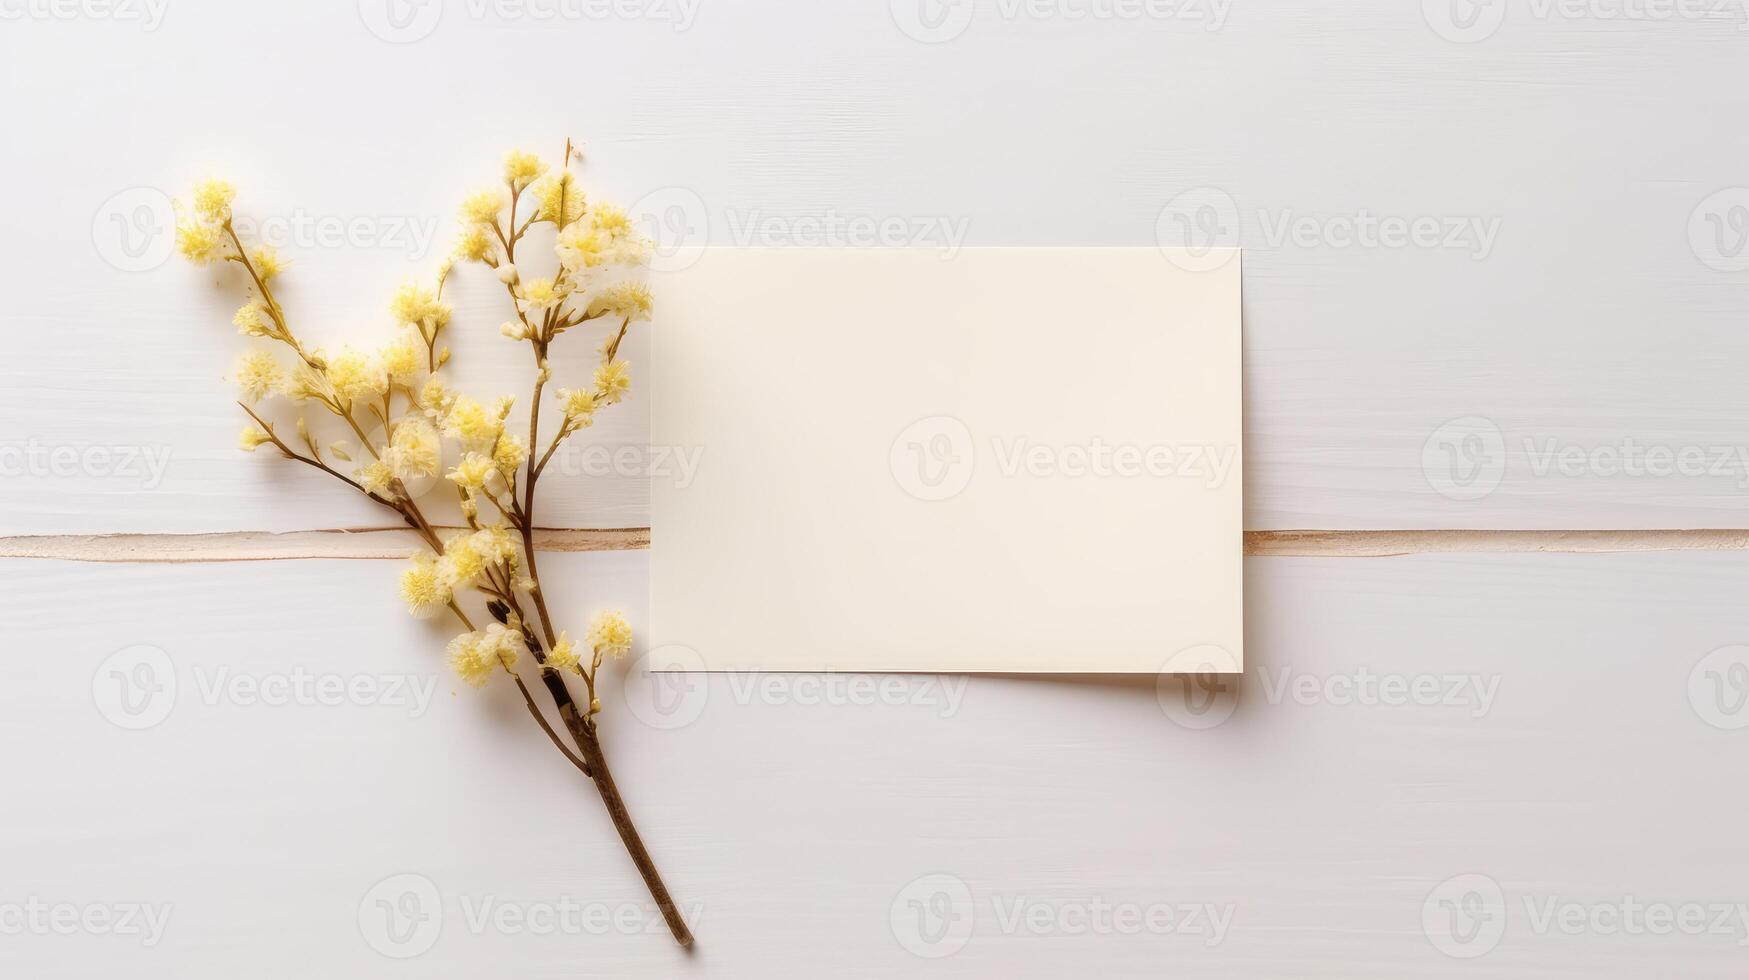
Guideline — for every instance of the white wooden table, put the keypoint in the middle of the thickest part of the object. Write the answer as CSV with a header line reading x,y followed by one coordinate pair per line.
x,y
1496,280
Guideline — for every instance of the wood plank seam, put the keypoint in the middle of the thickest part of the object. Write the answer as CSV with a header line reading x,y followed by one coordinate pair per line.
x,y
376,543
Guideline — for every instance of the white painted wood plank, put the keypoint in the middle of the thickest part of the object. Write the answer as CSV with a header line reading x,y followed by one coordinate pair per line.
x,y
794,814
1595,147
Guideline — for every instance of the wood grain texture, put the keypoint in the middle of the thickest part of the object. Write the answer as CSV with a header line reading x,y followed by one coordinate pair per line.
x,y
1590,322
1568,755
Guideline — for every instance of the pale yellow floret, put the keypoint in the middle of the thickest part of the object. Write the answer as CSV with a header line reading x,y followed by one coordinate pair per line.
x,y
551,189
252,320
612,381
469,421
580,247
482,208
375,476
611,221
472,472
252,437
474,245
579,405
423,588
509,455
403,359
472,659
520,169
258,375
434,399
624,300
212,200
465,561
496,545
199,243
356,374
416,305
540,294
610,635
563,655
266,261
415,450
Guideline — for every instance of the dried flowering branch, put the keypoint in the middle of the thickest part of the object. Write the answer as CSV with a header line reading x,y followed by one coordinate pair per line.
x,y
398,391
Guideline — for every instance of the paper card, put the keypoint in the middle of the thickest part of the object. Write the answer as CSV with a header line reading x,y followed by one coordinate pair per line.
x,y
998,459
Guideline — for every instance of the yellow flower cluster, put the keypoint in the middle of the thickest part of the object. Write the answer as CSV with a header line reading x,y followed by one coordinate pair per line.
x,y
476,655
610,635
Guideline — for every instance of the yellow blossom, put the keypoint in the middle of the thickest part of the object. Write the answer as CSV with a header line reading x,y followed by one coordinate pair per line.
x,y
626,300
476,656
510,453
563,655
266,261
612,381
540,294
482,208
611,221
252,320
253,436
464,560
355,374
474,245
580,247
258,374
496,545
520,169
610,635
212,200
199,243
414,451
403,359
422,587
469,421
375,477
415,305
434,398
472,472
550,190
579,404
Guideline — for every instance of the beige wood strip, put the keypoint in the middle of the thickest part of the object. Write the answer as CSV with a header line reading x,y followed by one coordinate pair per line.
x,y
384,542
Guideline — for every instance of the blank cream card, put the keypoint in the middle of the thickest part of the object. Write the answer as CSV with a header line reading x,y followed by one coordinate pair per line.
x,y
992,459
